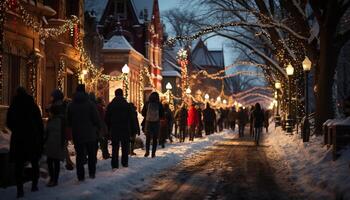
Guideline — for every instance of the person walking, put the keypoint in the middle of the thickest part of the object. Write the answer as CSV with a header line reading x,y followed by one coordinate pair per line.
x,y
192,121
209,119
199,127
135,129
152,111
170,121
251,122
120,122
84,121
258,116
177,121
232,115
25,122
242,120
103,134
55,136
266,120
55,139
183,114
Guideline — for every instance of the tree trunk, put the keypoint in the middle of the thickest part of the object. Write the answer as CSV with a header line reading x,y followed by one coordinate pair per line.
x,y
325,78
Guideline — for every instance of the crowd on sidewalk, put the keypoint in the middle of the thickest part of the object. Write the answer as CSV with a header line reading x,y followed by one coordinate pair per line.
x,y
90,125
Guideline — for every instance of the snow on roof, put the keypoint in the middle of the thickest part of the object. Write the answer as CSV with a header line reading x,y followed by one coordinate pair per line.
x,y
140,6
117,42
202,56
98,6
171,73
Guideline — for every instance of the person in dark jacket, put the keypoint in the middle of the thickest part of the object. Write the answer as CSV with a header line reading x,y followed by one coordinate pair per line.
x,y
152,111
209,119
55,138
135,129
258,116
199,127
25,122
103,134
232,115
242,121
266,120
182,115
119,120
251,122
84,121
177,121
170,121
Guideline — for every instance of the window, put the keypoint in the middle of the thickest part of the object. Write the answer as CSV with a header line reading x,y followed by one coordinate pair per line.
x,y
72,8
14,74
120,9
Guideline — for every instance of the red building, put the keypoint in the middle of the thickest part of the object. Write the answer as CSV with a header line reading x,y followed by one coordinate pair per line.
x,y
132,34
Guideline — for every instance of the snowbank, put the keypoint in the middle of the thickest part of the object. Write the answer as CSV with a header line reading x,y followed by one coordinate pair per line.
x,y
112,185
311,165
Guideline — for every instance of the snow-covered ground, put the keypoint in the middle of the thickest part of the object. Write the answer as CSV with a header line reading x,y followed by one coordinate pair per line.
x,y
112,185
311,165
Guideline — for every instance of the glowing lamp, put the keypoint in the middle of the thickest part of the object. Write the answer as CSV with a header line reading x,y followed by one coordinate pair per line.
x,y
307,64
126,69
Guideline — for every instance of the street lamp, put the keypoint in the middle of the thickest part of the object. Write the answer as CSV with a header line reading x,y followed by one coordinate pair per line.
x,y
278,86
306,129
188,91
224,101
206,97
218,99
126,71
168,86
289,124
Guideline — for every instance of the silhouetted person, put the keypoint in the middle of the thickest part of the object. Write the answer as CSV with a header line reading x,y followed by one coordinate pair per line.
x,y
152,111
135,129
258,116
242,121
84,120
209,119
55,136
25,122
120,122
182,116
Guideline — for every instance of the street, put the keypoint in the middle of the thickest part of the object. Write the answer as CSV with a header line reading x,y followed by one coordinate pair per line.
x,y
232,169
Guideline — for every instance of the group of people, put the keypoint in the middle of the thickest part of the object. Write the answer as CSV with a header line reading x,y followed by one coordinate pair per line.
x,y
90,125
257,119
86,122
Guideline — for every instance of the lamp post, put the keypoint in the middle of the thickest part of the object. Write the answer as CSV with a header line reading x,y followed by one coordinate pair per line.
x,y
289,124
169,87
188,91
126,71
306,128
206,97
278,86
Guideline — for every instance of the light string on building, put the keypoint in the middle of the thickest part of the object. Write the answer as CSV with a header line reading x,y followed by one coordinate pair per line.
x,y
30,21
182,58
61,74
2,21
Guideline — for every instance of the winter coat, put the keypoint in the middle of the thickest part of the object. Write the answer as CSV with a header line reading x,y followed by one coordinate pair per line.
x,y
54,138
232,115
135,123
83,119
119,118
192,118
181,116
145,109
258,116
102,114
209,115
168,114
25,122
242,117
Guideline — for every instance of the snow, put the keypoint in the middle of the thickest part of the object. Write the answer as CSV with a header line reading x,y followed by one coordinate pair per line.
x,y
112,185
4,142
311,166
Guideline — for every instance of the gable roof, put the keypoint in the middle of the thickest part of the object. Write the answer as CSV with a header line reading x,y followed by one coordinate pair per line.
x,y
139,8
98,6
117,42
202,56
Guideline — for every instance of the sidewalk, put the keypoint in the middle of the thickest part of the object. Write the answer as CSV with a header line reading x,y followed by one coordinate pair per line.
x,y
110,184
